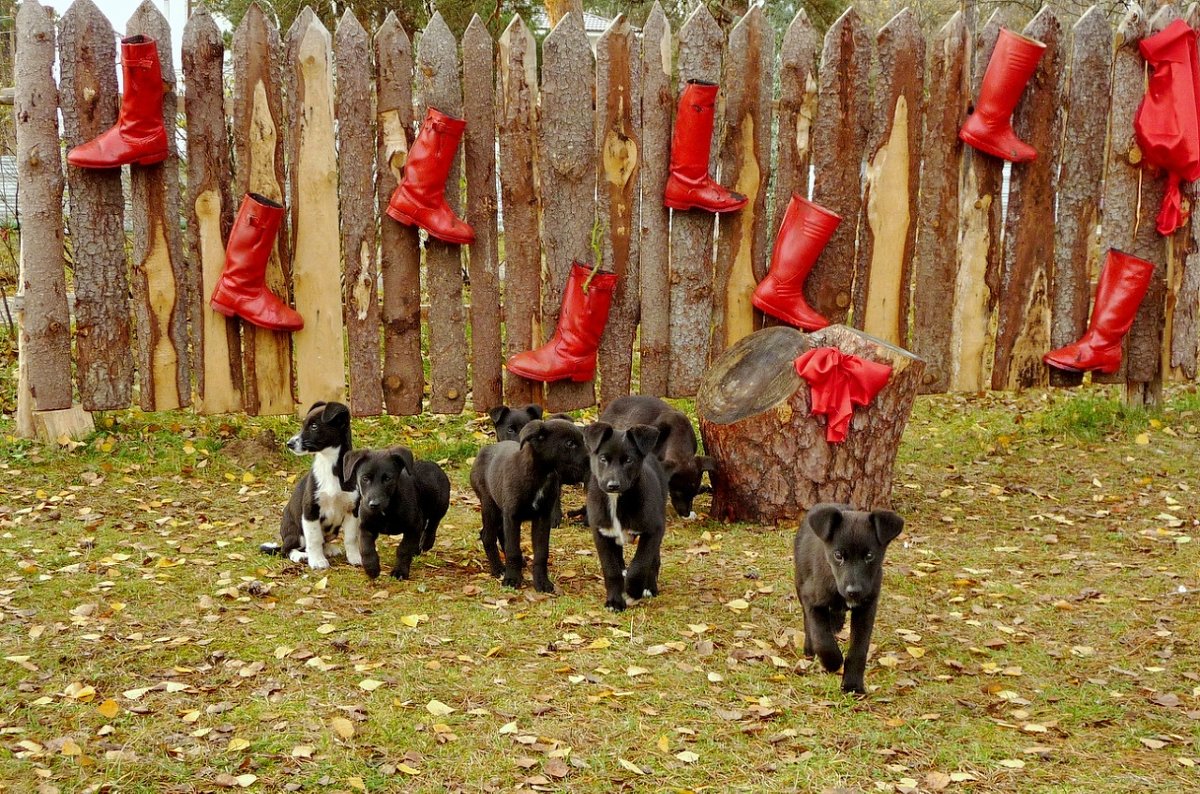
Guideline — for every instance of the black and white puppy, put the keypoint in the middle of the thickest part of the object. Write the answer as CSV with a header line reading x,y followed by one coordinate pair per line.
x,y
839,568
518,481
388,504
626,499
322,503
676,446
433,497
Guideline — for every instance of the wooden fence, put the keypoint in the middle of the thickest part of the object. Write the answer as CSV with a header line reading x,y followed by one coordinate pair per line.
x,y
925,257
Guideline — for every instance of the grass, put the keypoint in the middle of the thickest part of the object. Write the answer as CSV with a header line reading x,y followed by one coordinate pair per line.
x,y
1038,633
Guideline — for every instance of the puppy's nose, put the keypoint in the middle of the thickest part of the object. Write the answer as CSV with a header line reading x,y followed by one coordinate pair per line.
x,y
853,591
612,486
372,503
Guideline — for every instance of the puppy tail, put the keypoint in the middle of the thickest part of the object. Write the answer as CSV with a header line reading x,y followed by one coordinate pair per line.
x,y
271,548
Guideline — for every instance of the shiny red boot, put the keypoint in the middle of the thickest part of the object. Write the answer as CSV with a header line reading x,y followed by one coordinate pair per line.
x,y
571,352
139,135
689,186
1123,284
242,289
989,127
420,199
805,230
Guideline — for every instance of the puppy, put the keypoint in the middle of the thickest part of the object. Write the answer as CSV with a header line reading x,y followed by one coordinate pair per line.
x,y
626,499
509,422
322,502
519,481
388,504
433,497
839,567
676,446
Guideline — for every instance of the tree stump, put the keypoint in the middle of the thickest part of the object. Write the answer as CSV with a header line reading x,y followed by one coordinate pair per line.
x,y
773,461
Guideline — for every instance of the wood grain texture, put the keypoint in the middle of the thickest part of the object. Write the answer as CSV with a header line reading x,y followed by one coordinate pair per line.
x,y
1185,338
1080,183
88,87
46,331
257,134
567,167
210,210
745,166
356,194
700,45
839,142
658,107
163,286
399,245
618,201
439,85
479,109
517,115
883,269
316,242
798,56
935,263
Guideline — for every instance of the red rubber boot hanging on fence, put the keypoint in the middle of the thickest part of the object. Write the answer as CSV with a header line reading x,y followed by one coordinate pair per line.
x,y
689,185
989,127
242,289
1123,284
139,135
420,198
571,352
805,231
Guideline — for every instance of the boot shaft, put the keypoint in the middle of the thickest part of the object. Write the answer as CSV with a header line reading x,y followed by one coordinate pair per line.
x,y
252,238
1013,62
583,316
142,87
1124,281
432,154
691,140
803,234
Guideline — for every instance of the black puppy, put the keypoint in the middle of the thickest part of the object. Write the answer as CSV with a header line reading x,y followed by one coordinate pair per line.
x,y
839,567
676,446
520,481
433,497
321,503
388,504
626,499
509,423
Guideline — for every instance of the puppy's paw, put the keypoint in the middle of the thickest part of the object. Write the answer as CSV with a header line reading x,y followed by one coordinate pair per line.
x,y
354,557
648,593
543,584
691,516
832,662
853,687
317,564
298,556
615,604
334,550
399,574
511,579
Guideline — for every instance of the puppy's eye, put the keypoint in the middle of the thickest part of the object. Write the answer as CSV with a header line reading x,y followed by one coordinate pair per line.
x,y
571,445
837,556
366,478
624,459
604,458
387,478
870,556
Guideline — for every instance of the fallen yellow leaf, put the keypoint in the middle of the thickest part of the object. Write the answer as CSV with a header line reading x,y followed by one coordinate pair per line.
x,y
342,727
237,743
438,709
109,708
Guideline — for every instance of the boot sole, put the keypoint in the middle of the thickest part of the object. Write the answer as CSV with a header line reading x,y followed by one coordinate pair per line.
x,y
679,205
767,308
1077,370
976,143
152,159
573,378
407,220
227,312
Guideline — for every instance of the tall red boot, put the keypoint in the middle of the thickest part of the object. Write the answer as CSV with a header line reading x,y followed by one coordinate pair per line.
x,y
242,288
420,198
989,128
139,135
805,230
571,352
689,186
1123,283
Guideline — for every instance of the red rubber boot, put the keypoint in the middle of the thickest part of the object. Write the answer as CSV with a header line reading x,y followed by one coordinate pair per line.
x,y
1123,283
139,135
989,128
420,198
689,186
242,289
805,231
571,352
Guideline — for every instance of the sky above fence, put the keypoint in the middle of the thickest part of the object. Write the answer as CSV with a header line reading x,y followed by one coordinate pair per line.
x,y
119,12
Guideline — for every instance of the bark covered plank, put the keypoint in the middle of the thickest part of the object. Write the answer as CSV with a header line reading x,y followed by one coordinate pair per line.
x,y
797,114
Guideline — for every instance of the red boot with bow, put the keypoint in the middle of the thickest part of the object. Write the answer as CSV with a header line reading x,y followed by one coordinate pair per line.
x,y
420,199
689,185
805,231
242,289
989,127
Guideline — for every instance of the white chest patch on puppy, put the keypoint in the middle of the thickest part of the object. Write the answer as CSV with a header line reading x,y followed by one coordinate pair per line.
x,y
335,503
616,531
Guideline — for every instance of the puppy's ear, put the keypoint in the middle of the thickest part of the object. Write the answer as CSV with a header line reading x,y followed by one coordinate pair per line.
x,y
644,437
664,432
403,457
350,464
824,520
888,525
498,413
596,434
531,432
315,406
534,410
335,413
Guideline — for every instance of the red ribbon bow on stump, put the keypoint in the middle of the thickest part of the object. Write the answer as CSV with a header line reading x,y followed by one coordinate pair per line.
x,y
839,381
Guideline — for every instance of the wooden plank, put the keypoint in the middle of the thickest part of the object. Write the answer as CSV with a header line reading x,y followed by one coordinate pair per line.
x,y
700,44
479,109
258,153
1023,313
46,332
658,107
210,211
936,259
567,169
745,163
88,86
797,111
316,243
517,114
977,282
839,140
356,171
1080,183
883,270
163,287
618,135
399,245
439,86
